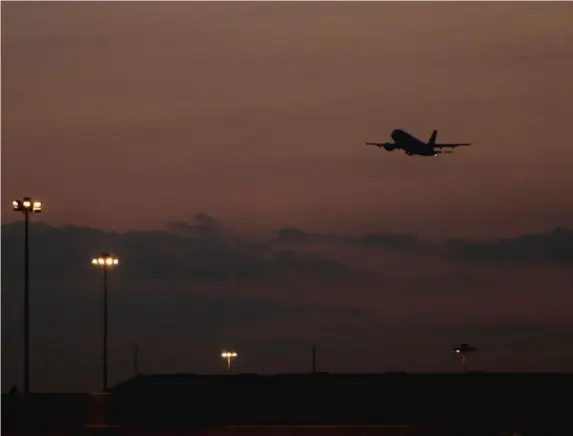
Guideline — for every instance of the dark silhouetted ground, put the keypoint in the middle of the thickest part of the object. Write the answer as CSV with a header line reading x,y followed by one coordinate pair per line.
x,y
319,404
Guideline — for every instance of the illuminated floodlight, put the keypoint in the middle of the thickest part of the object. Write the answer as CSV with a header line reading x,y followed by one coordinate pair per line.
x,y
105,260
229,355
27,205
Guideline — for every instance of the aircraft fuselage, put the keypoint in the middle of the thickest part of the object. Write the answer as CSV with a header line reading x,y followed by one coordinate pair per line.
x,y
411,145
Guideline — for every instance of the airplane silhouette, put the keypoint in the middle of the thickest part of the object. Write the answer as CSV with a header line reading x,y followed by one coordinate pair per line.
x,y
413,146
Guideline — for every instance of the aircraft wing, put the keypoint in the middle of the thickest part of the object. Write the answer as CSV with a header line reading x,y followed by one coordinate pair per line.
x,y
381,144
452,145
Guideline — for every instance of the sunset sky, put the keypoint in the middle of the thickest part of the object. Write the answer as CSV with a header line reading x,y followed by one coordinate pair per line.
x,y
185,136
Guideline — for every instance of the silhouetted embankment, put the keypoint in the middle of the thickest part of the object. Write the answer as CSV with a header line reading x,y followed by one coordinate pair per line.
x,y
460,402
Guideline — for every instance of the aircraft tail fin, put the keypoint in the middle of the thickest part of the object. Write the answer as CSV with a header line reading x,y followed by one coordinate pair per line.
x,y
432,140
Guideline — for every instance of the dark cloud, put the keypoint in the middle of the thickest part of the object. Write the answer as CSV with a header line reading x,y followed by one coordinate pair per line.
x,y
392,241
311,264
395,241
197,253
292,234
202,225
295,235
555,246
200,250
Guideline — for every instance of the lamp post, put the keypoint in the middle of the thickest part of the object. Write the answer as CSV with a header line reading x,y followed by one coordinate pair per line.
x,y
26,205
229,356
105,261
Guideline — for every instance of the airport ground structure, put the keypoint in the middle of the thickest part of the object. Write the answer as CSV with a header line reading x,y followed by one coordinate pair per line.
x,y
305,404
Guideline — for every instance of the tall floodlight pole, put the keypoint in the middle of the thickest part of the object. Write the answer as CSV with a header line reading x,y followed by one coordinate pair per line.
x,y
26,206
104,261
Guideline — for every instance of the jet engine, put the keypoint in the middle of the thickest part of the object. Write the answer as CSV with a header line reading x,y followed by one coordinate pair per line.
x,y
389,147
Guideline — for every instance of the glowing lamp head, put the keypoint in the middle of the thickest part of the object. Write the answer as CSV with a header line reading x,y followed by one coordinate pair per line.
x,y
228,354
27,205
464,348
105,260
